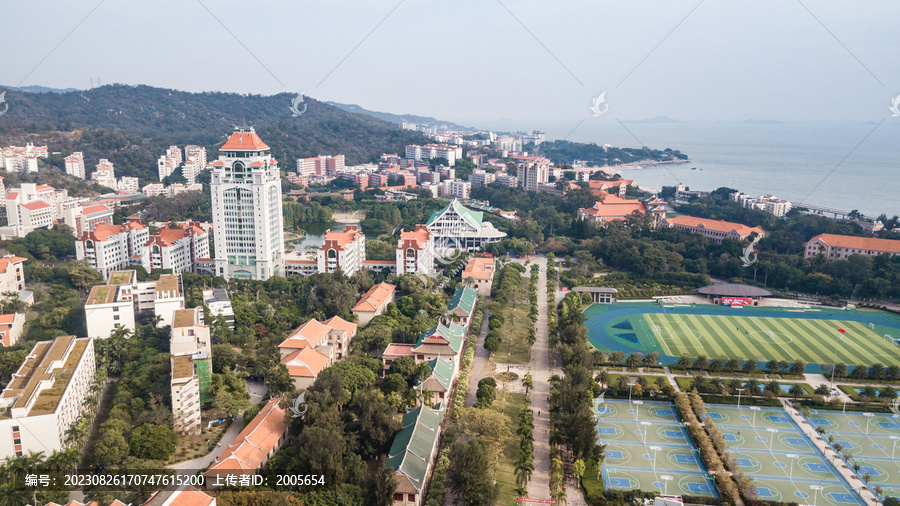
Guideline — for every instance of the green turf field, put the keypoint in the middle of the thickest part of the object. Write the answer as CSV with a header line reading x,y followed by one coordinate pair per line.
x,y
761,333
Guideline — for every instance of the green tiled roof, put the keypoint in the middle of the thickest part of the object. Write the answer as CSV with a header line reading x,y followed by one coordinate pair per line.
x,y
453,333
464,299
442,370
471,217
410,453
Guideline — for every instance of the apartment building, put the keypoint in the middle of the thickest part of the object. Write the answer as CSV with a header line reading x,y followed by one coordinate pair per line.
x,y
481,178
128,184
185,386
177,249
163,297
12,274
75,165
86,218
22,158
105,174
532,171
168,162
768,203
374,302
840,247
314,346
110,248
324,165
246,207
110,307
344,250
219,304
11,327
430,151
415,252
46,396
194,163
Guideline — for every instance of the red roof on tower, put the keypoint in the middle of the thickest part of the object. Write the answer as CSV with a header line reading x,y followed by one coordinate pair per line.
x,y
244,139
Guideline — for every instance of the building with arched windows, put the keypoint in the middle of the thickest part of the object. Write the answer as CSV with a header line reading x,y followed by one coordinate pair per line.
x,y
342,250
246,207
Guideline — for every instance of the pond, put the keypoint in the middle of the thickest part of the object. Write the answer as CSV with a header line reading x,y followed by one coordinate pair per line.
x,y
313,236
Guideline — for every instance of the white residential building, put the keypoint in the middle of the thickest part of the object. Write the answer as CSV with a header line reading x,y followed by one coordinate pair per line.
x,y
456,188
105,174
75,165
128,184
345,250
109,307
189,335
87,218
46,396
22,158
168,162
324,165
185,384
415,252
481,178
31,206
246,207
163,297
191,368
12,274
457,227
176,248
219,304
110,248
768,203
533,172
194,163
429,151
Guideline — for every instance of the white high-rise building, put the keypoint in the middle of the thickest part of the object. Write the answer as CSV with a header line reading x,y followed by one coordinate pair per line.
x,y
75,164
246,205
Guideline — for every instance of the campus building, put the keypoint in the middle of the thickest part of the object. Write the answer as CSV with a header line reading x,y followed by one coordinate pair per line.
x,y
415,252
110,248
177,249
715,230
314,346
185,386
252,448
840,247
11,327
246,206
374,302
342,250
46,396
413,453
75,165
219,304
479,274
457,227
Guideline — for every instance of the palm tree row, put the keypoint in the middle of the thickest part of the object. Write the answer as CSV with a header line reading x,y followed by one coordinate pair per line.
x,y
738,364
524,465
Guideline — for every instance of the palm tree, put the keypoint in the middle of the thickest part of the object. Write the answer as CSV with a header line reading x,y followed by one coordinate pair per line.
x,y
524,467
888,393
876,372
892,373
603,376
633,360
701,362
699,383
615,358
772,367
734,384
754,387
751,366
796,390
798,367
868,394
621,382
717,364
650,359
716,385
822,390
733,364
527,382
773,386
684,362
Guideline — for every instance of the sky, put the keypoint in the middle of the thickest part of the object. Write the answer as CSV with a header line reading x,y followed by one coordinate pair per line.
x,y
482,62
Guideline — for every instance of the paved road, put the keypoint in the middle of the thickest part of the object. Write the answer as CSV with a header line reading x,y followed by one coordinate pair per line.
x,y
481,366
257,390
539,486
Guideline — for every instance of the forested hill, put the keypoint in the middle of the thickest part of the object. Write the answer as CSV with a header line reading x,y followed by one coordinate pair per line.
x,y
132,125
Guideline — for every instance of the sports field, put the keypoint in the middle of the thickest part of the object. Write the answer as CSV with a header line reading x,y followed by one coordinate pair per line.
x,y
763,334
874,442
782,461
648,449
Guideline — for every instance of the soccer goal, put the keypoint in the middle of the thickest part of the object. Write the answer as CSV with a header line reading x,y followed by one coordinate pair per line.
x,y
872,326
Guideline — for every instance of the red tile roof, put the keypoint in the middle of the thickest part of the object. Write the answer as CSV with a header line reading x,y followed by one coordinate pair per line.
x,y
310,334
305,363
374,299
94,209
338,323
398,350
34,206
250,450
244,141
183,496
479,268
863,243
417,239
338,240
715,225
615,207
5,262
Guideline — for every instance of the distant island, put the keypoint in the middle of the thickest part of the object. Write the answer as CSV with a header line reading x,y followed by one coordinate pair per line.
x,y
566,152
763,122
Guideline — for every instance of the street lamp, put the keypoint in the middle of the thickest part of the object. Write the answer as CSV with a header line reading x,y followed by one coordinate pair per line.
x,y
868,419
754,409
894,446
665,478
844,410
739,391
637,409
816,493
655,449
631,382
772,437
793,457
646,426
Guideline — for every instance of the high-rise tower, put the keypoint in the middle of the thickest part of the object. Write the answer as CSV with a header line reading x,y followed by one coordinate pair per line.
x,y
246,207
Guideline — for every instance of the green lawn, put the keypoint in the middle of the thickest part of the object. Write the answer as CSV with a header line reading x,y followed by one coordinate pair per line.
x,y
509,404
769,338
515,348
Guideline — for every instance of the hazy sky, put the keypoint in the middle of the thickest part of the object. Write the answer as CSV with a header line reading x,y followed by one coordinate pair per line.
x,y
472,62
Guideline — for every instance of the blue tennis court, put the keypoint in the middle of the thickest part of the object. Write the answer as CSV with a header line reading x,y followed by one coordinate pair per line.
x,y
796,441
868,470
662,412
612,454
821,421
674,434
715,416
685,459
843,498
889,425
606,431
620,482
699,488
777,419
744,462
819,468
729,437
764,492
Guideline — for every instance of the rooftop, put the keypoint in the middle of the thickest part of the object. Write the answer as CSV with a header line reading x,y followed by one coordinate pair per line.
x,y
122,277
38,368
167,287
251,447
375,298
479,268
863,243
182,367
412,448
244,139
185,317
103,294
473,218
715,225
734,290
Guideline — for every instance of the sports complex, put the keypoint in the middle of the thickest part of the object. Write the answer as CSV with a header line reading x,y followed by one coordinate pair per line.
x,y
761,333
648,449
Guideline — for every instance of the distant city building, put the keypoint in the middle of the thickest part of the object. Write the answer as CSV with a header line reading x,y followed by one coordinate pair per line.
x,y
128,184
219,304
481,178
157,189
601,187
839,247
168,162
431,151
507,180
325,165
613,208
454,188
194,163
345,250
46,396
75,165
767,203
246,209
457,227
22,158
716,230
374,302
415,252
533,171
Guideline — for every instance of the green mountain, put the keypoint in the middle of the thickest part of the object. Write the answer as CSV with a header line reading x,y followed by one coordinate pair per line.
x,y
133,125
400,118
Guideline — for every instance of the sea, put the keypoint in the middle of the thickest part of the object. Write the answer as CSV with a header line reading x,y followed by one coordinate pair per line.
x,y
842,165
